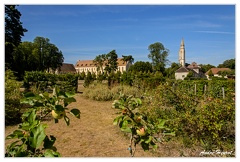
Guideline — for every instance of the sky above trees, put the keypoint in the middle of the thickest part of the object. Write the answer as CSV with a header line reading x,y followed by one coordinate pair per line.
x,y
84,31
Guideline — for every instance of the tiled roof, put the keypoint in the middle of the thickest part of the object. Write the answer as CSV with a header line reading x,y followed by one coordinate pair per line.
x,y
85,63
193,65
89,63
182,69
216,70
67,67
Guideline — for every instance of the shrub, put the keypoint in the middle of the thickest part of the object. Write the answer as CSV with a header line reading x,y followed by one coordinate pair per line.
x,y
209,123
102,92
98,92
12,99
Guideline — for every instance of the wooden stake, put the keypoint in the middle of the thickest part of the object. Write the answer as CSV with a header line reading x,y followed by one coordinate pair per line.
x,y
195,89
223,92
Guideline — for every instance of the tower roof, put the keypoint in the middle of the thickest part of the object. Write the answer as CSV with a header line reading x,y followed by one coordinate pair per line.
x,y
182,42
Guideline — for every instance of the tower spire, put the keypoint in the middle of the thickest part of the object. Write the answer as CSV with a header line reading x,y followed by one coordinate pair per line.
x,y
181,53
182,42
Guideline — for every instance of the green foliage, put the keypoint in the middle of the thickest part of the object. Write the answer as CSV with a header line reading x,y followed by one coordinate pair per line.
x,y
131,120
126,78
210,74
102,92
31,139
206,67
170,72
112,64
39,55
82,75
213,87
12,99
42,80
158,55
140,66
114,78
206,122
99,62
228,64
13,34
88,79
128,58
98,92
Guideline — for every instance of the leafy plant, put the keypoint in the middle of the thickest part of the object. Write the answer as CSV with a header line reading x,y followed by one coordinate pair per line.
x,y
31,138
131,120
12,99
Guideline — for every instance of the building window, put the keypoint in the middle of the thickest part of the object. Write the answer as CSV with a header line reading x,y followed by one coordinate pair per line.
x,y
183,76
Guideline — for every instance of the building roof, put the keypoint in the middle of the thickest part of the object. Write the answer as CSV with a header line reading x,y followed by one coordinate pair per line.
x,y
182,69
89,63
216,70
67,67
85,63
193,65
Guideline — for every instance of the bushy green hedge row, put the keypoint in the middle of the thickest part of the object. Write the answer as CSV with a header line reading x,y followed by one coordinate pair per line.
x,y
12,99
42,80
213,87
196,121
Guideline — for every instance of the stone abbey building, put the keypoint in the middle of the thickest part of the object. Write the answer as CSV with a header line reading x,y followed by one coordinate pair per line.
x,y
88,65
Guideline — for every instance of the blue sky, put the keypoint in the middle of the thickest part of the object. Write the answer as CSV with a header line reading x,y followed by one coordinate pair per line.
x,y
82,32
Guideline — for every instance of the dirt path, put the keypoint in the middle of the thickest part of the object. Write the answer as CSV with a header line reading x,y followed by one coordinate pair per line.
x,y
93,135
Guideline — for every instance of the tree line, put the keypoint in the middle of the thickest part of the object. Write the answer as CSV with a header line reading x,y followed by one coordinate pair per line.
x,y
42,55
39,55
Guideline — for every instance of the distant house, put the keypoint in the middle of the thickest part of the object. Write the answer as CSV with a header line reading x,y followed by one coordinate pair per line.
x,y
88,65
66,68
215,72
183,71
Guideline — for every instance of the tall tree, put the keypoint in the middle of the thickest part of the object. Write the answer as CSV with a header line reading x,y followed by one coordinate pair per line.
x,y
158,54
170,72
206,67
128,58
13,33
23,59
228,64
112,64
99,61
40,55
47,54
141,66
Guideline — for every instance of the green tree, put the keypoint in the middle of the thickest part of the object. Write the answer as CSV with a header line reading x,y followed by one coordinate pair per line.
x,y
112,64
99,61
47,54
23,60
190,75
210,74
13,33
128,58
82,75
40,55
228,64
206,67
158,54
88,79
141,66
170,72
